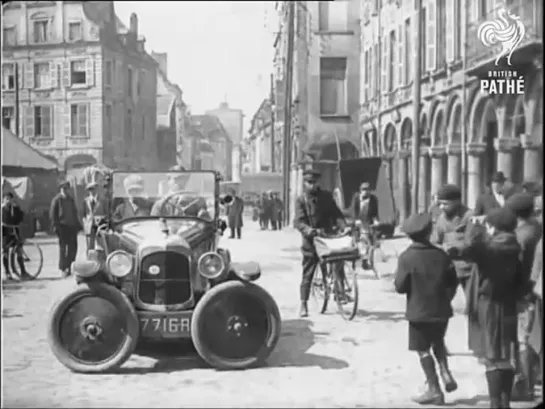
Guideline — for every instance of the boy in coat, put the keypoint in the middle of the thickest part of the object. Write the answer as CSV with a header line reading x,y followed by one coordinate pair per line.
x,y
427,276
12,217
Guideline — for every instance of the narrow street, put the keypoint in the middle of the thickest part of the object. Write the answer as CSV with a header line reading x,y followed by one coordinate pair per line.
x,y
322,361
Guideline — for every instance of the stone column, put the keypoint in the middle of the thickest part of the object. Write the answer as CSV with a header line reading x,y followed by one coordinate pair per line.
x,y
533,158
454,171
404,191
437,154
475,183
504,151
423,180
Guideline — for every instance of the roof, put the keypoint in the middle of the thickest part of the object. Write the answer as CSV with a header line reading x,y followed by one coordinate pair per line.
x,y
165,105
120,27
19,154
209,126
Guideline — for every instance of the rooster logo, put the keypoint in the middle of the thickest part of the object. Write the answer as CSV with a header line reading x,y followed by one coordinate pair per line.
x,y
507,30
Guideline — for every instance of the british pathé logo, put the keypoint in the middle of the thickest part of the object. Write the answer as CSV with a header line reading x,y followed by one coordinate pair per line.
x,y
508,31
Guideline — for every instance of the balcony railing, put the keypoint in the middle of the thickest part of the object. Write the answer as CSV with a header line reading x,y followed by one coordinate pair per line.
x,y
531,16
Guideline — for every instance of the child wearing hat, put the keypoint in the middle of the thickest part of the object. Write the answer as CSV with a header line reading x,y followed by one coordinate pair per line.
x,y
498,287
427,276
528,233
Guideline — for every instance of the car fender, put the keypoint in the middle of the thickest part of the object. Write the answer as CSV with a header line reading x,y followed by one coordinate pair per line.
x,y
247,271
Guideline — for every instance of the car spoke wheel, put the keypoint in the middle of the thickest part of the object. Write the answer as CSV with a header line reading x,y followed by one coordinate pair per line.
x,y
93,329
346,291
32,258
235,325
319,289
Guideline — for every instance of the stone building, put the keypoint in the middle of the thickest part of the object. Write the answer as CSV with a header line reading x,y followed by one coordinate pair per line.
x,y
503,131
86,86
264,147
173,120
325,99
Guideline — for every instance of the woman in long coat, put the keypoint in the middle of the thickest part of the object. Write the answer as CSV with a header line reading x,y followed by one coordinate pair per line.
x,y
235,210
496,286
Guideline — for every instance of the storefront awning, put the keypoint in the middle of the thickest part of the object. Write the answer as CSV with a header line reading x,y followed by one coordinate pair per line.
x,y
17,153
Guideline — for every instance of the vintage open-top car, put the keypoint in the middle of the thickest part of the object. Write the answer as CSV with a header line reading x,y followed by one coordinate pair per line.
x,y
158,273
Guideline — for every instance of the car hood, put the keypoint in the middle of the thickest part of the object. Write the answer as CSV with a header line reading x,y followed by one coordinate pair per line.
x,y
190,231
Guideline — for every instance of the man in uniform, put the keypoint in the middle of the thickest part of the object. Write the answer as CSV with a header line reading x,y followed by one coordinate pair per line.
x,y
315,210
528,233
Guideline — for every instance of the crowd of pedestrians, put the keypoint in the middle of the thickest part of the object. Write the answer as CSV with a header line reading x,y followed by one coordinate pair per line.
x,y
269,211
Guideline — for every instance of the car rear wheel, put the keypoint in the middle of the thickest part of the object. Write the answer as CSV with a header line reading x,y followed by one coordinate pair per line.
x,y
93,329
235,325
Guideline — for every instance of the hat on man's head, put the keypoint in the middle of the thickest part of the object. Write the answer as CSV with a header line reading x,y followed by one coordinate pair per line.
x,y
502,218
311,175
520,203
133,182
498,177
64,183
449,192
417,225
365,185
91,185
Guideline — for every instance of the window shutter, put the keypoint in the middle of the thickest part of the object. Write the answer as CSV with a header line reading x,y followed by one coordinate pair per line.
x,y
51,120
400,42
67,121
385,54
20,74
29,122
450,29
88,119
66,74
54,74
431,36
89,72
29,75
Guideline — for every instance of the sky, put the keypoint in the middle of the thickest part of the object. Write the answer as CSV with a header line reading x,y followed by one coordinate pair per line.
x,y
217,51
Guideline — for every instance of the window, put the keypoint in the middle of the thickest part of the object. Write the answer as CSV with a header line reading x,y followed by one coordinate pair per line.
x,y
423,41
108,71
8,76
8,118
42,75
79,120
441,33
77,73
41,31
129,82
457,29
366,75
375,70
108,125
10,36
408,52
139,84
333,15
128,124
42,122
74,31
391,61
333,98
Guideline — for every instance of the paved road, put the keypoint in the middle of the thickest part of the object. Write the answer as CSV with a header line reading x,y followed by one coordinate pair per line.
x,y
322,361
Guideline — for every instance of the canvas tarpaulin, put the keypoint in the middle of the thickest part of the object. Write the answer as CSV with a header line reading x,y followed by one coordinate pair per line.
x,y
21,187
16,153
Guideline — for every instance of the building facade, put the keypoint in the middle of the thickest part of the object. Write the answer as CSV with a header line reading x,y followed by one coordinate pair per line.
x,y
85,88
173,120
231,119
503,132
264,149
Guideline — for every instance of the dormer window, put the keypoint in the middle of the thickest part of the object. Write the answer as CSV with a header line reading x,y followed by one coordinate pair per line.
x,y
41,31
74,31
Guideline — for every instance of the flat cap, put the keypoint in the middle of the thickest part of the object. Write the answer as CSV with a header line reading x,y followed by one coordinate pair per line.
x,y
365,185
91,185
311,174
133,182
498,177
449,192
502,218
520,202
417,224
64,183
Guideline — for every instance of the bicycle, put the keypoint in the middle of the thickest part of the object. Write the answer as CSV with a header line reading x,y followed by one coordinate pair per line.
x,y
337,274
31,253
368,242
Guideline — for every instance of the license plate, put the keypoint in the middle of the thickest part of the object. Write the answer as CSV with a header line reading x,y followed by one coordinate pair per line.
x,y
166,326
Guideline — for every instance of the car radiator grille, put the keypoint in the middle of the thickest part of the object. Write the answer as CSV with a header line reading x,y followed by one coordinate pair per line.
x,y
173,283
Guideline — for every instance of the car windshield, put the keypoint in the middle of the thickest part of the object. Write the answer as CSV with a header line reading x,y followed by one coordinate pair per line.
x,y
165,194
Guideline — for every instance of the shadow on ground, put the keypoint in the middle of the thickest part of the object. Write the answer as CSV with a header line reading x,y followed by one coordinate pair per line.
x,y
477,400
392,316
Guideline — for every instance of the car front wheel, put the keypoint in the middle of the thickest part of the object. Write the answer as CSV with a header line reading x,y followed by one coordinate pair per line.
x,y
236,325
93,329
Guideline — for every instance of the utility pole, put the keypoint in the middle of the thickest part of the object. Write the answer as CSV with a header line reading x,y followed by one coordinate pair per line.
x,y
271,97
17,102
287,109
415,154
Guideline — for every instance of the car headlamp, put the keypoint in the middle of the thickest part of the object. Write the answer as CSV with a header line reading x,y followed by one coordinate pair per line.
x,y
211,265
119,263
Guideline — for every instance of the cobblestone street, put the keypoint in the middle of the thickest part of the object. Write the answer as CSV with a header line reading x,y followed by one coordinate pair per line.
x,y
322,361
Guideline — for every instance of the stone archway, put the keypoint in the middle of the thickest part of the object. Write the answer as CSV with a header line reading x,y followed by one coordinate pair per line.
x,y
454,133
389,142
488,133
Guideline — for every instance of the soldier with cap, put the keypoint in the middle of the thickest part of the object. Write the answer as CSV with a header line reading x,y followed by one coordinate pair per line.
x,y
93,207
493,302
315,211
135,204
64,217
427,276
528,233
452,225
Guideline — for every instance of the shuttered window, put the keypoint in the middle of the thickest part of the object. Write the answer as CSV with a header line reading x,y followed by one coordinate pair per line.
x,y
457,29
8,76
333,86
400,42
385,70
392,61
42,75
431,36
39,121
79,120
441,33
40,31
408,58
423,41
78,73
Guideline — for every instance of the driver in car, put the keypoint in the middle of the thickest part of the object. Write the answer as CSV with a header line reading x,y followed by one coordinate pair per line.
x,y
135,204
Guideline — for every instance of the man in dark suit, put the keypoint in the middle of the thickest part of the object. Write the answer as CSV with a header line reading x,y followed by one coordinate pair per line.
x,y
315,210
235,211
494,197
12,217
364,207
64,217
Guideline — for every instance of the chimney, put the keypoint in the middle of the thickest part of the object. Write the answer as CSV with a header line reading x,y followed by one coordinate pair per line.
x,y
134,24
161,59
224,105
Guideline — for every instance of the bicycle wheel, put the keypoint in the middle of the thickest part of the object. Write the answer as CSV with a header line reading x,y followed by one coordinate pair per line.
x,y
33,259
319,289
347,292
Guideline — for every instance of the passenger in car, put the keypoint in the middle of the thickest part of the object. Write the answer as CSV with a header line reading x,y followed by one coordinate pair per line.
x,y
135,204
